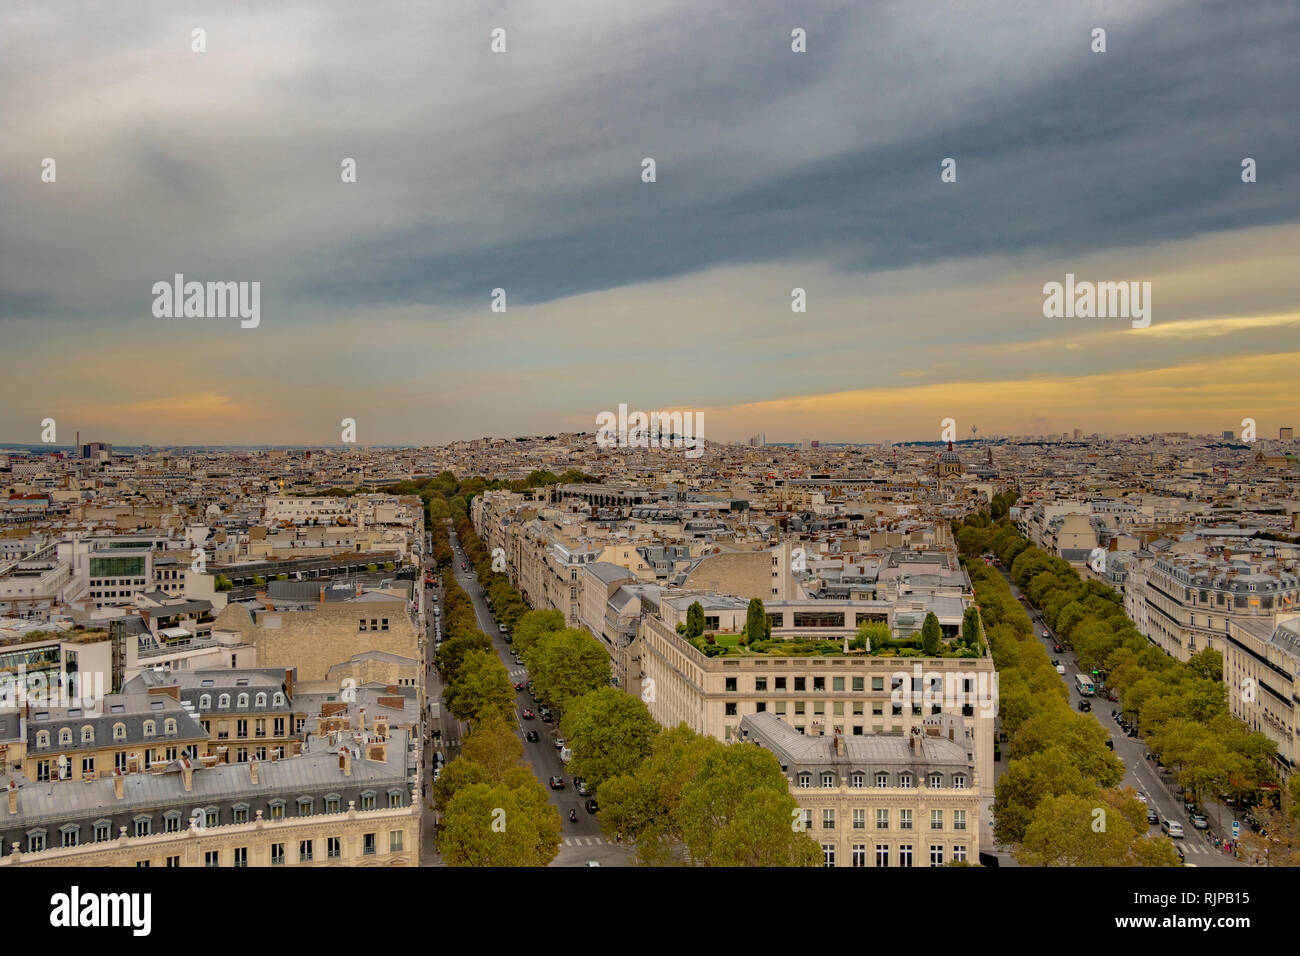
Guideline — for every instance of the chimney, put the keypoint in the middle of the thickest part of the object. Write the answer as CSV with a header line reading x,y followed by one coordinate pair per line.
x,y
118,791
345,761
839,745
187,774
361,719
322,595
252,771
13,797
288,683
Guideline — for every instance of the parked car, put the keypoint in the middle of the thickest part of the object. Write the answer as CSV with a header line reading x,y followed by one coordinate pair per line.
x,y
580,784
501,628
557,783
1142,796
1172,829
1189,804
437,772
559,743
1152,816
519,685
532,737
438,759
1110,744
1046,635
1199,822
1085,706
1060,668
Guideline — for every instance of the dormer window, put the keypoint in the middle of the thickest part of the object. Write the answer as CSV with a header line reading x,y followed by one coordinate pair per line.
x,y
205,702
242,703
828,781
169,726
65,737
150,728
805,781
935,781
87,734
223,702
260,701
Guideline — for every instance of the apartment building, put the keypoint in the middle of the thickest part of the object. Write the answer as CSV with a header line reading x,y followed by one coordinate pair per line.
x,y
349,800
1261,668
880,800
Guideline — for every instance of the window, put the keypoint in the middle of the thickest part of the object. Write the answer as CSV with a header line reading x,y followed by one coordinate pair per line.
x,y
959,782
71,834
239,813
779,683
807,820
212,858
858,683
304,806
43,737
333,848
828,819
223,702
241,856
143,826
905,854
169,726
395,841
905,781
882,854
241,728
959,819
205,702
905,819
959,854
87,734
172,821
859,819
35,841
174,862
730,709
242,702
877,683
304,851
837,683
394,799
260,701
368,844
882,780
277,809
65,737
760,684
731,683
150,728
936,819
935,781
102,830
828,781
882,818
819,683
211,816
805,781
368,800
800,683
278,700
936,854
277,854
859,854
858,780
828,854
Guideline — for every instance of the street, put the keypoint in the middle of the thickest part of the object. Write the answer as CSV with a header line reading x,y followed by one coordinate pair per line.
x,y
1142,774
581,840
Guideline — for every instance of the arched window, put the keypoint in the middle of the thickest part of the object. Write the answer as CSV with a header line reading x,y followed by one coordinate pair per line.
x,y
223,702
87,734
242,703
150,728
43,738
119,731
169,725
279,699
205,702
261,701
65,736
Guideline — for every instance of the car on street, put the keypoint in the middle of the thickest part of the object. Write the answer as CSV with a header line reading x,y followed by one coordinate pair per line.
x,y
1046,635
529,715
559,743
1057,648
1142,796
1110,744
1172,829
519,685
591,805
438,759
580,784
1085,706
1060,668
1152,816
1199,822
1181,857
1189,804
592,863
501,628
532,737
556,783
437,772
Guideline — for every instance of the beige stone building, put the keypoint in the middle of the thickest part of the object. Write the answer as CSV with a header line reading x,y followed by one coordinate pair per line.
x,y
881,800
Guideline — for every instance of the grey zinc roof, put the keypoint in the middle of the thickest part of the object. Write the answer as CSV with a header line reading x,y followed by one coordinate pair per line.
x,y
796,751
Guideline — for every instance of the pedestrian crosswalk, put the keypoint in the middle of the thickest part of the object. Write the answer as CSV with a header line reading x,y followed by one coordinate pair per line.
x,y
586,841
518,673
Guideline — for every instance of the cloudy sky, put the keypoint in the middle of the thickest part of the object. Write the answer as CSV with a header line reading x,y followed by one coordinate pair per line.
x,y
522,171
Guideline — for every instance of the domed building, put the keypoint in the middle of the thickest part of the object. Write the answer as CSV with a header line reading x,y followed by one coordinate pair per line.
x,y
949,464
